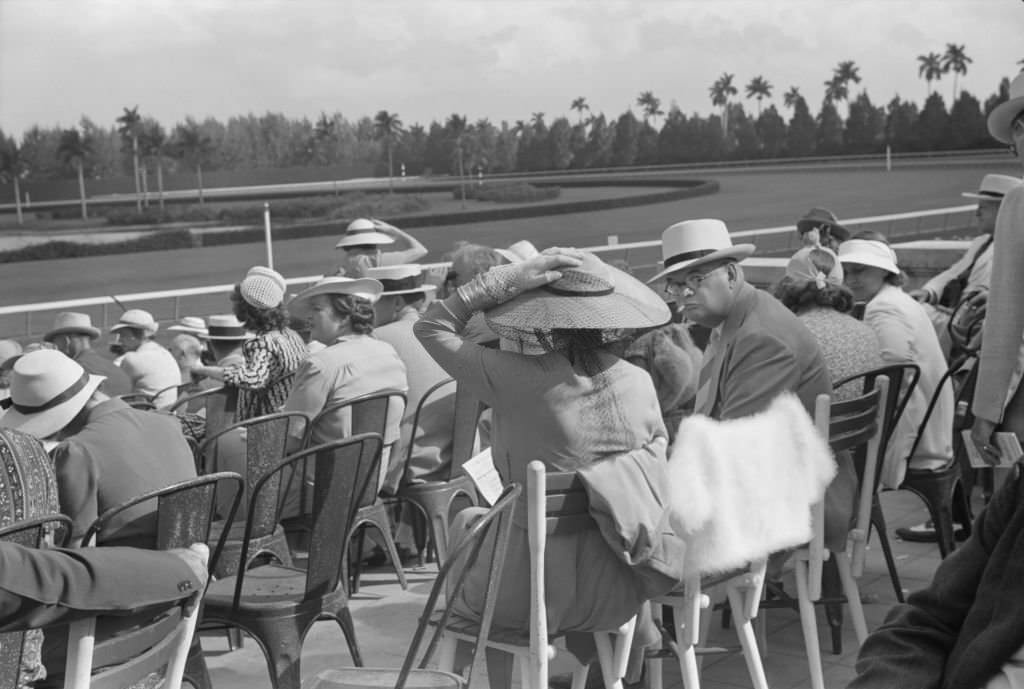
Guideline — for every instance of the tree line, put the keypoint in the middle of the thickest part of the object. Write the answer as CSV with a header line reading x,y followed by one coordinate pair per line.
x,y
845,123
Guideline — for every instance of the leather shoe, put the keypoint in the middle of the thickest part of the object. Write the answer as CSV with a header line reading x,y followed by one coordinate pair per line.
x,y
925,533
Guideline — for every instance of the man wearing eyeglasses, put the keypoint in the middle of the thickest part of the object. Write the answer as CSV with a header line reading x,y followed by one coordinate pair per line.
x,y
758,348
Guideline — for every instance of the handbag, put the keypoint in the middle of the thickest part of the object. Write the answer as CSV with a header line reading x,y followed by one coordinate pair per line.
x,y
953,292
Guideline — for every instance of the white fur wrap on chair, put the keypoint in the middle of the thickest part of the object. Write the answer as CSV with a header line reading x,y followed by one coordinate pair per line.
x,y
743,489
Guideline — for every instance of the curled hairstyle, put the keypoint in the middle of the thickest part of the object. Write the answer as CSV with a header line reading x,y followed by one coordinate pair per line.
x,y
872,235
256,319
357,309
798,295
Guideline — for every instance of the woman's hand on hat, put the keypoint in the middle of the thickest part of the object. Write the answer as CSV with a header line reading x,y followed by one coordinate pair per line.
x,y
502,283
546,267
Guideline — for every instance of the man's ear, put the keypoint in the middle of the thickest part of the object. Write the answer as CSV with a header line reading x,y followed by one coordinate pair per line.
x,y
733,273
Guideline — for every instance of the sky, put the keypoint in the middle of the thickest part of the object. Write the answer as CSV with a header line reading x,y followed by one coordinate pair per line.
x,y
499,59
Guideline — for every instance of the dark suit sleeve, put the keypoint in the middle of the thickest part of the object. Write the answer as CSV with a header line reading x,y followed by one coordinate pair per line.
x,y
910,649
40,587
760,367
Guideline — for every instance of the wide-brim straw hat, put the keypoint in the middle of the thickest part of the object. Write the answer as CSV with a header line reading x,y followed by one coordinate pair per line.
x,y
993,187
1003,115
869,252
138,319
592,296
70,322
406,278
523,250
193,325
364,288
816,217
363,231
693,243
48,389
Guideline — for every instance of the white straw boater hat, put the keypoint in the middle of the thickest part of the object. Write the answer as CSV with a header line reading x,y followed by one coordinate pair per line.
x,y
1003,115
591,296
365,288
406,278
522,250
137,319
72,323
869,252
226,327
48,389
692,243
994,187
193,325
363,231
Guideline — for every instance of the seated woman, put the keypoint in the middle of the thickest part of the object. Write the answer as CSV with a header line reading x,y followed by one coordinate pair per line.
x,y
272,355
559,395
812,288
905,336
352,364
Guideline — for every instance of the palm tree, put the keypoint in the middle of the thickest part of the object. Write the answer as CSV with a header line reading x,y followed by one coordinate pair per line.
x,y
720,91
929,67
519,127
388,126
74,149
651,105
13,167
152,141
759,88
537,120
192,146
579,105
848,71
836,90
955,59
790,98
129,131
456,127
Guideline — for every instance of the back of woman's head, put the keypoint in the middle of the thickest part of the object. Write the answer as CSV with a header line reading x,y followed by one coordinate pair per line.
x,y
359,311
812,280
256,319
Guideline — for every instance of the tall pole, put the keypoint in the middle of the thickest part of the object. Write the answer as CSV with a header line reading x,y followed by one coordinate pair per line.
x,y
266,235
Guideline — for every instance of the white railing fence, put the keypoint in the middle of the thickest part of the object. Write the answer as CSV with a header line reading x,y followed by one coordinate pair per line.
x,y
28,321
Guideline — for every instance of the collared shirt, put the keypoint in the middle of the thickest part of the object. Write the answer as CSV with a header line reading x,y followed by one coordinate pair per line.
x,y
152,368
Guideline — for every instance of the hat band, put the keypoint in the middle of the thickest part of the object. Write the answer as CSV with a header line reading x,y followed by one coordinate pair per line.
x,y
396,284
997,195
361,230
63,397
225,330
577,293
688,256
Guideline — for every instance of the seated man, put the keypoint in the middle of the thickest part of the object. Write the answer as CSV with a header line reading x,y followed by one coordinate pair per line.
x,y
150,366
107,452
73,333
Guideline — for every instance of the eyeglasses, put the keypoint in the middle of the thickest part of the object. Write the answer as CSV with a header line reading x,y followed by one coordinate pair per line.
x,y
690,282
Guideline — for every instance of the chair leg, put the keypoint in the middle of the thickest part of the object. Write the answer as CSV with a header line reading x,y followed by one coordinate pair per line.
x,y
745,632
810,626
832,594
282,647
687,653
860,625
605,656
356,562
196,672
579,676
878,521
348,629
942,517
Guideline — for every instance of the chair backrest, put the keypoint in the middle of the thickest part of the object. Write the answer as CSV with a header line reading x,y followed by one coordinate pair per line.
x,y
438,393
47,530
265,441
494,528
341,472
184,512
138,400
219,406
468,408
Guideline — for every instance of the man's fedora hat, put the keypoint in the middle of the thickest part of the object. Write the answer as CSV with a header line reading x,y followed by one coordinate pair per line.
x,y
1003,115
361,232
365,288
591,296
70,322
226,327
818,217
400,279
48,389
522,250
994,187
193,325
692,243
138,319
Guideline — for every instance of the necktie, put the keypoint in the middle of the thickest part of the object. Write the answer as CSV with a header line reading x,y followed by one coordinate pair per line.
x,y
708,365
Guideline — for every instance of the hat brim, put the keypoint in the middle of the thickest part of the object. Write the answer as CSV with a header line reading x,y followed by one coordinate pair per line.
x,y
738,252
808,224
150,329
366,288
411,290
632,305
45,423
230,338
186,329
982,197
364,238
1002,116
866,259
93,333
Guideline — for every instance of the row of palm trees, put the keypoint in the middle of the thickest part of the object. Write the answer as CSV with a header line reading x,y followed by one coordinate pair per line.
x,y
933,66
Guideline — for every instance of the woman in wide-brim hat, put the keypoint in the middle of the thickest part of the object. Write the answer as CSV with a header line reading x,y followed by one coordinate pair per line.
x,y
562,395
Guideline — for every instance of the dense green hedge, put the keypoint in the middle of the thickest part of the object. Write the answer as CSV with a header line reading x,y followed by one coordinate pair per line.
x,y
157,241
506,192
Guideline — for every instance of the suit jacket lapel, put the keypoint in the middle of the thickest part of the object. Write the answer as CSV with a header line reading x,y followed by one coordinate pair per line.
x,y
714,364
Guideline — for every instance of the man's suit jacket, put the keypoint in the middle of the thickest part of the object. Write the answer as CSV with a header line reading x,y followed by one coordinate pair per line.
x,y
42,587
763,350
